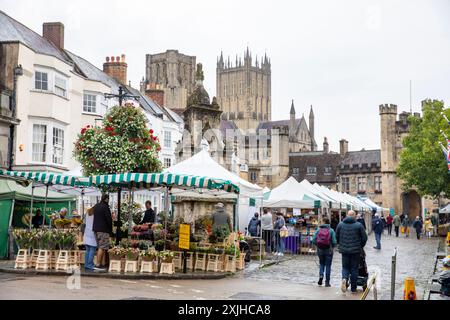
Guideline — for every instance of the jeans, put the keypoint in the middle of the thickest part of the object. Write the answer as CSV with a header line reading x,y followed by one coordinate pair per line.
x,y
279,242
418,234
350,263
325,259
389,227
89,257
397,229
267,236
378,240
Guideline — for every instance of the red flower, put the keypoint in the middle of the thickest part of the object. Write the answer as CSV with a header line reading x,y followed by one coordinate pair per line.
x,y
150,131
158,149
109,128
154,138
83,131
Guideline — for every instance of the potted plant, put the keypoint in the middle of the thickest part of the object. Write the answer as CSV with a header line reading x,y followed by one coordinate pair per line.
x,y
166,256
159,245
24,238
149,255
132,254
116,253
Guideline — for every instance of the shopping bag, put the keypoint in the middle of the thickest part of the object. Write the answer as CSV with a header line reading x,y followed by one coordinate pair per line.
x,y
402,230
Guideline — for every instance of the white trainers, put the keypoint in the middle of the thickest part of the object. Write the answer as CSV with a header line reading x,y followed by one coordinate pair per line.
x,y
344,285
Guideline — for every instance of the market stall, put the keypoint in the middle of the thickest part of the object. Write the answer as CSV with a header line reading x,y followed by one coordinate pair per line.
x,y
250,196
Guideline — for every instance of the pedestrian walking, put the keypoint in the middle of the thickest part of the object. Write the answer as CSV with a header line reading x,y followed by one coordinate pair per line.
x,y
334,222
377,227
383,220
267,229
254,225
428,226
418,226
434,222
389,221
278,228
325,240
361,220
405,226
221,220
351,238
89,241
102,226
397,223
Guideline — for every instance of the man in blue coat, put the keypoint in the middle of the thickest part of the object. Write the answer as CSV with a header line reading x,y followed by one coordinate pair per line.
x,y
351,238
377,227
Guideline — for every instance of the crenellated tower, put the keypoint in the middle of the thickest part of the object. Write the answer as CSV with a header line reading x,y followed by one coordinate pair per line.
x,y
244,89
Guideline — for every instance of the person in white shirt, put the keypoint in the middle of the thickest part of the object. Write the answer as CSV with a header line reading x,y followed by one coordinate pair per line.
x,y
90,241
267,229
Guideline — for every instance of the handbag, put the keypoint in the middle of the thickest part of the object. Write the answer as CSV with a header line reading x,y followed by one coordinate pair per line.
x,y
284,232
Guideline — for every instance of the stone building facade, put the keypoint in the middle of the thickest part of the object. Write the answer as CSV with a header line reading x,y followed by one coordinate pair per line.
x,y
394,128
172,72
244,90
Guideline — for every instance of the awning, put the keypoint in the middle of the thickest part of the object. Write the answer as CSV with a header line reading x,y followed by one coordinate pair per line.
x,y
47,178
148,180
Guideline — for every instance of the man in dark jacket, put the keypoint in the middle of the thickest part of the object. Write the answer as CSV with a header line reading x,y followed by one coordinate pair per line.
x,y
102,227
418,225
361,220
149,215
377,227
253,225
351,238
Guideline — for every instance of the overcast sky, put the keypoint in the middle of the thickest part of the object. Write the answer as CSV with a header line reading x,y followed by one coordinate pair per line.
x,y
343,57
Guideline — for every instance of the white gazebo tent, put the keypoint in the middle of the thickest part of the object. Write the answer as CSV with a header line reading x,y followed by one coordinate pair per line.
x,y
317,191
373,205
290,194
202,164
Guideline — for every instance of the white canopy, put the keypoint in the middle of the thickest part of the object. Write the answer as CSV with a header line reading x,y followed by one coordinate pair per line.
x,y
317,191
445,209
373,205
202,164
290,194
336,196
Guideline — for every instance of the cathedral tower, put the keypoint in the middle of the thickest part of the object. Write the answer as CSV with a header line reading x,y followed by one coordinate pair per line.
x,y
244,90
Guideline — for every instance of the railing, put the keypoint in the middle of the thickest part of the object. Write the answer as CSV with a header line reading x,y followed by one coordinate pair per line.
x,y
393,271
295,243
371,285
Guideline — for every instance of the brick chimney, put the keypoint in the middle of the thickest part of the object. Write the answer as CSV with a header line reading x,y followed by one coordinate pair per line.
x,y
116,67
343,147
54,32
155,93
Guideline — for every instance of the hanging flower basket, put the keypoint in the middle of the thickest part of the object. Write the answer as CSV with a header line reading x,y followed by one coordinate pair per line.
x,y
116,253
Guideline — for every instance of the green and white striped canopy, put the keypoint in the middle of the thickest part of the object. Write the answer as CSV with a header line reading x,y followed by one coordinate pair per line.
x,y
47,178
143,180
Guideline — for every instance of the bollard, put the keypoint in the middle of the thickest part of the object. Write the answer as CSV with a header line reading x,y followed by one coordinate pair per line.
x,y
410,290
448,239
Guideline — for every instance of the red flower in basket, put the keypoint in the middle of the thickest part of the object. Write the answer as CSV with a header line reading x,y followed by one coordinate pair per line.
x,y
150,131
83,131
109,128
158,149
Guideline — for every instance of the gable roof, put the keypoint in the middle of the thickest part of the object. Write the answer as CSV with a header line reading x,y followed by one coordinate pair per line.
x,y
13,31
362,157
318,159
268,125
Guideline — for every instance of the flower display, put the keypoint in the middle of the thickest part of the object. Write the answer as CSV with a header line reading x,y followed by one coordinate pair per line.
x,y
121,144
166,256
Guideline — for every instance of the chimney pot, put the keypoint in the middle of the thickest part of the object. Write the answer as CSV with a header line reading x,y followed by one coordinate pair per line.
x,y
112,59
118,59
116,69
107,59
123,57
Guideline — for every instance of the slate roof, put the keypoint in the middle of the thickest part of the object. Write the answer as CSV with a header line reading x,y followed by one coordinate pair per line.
x,y
268,125
13,31
145,102
362,157
318,159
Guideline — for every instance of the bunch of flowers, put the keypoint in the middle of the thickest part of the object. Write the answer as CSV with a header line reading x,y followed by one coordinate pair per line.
x,y
116,253
166,256
62,223
232,250
149,255
132,254
66,239
23,237
122,144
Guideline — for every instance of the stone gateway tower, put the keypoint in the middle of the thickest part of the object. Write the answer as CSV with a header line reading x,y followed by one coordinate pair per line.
x,y
244,90
172,72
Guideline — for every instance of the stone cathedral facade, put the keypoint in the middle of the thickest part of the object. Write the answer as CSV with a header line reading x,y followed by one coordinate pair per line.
x,y
243,90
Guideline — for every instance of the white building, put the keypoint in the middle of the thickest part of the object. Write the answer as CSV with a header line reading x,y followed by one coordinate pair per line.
x,y
59,93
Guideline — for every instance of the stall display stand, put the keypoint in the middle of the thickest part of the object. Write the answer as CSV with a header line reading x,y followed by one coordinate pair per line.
x,y
230,263
167,268
200,261
115,266
190,261
82,255
74,259
178,259
34,256
44,260
131,266
215,263
149,266
54,254
63,260
23,259
240,263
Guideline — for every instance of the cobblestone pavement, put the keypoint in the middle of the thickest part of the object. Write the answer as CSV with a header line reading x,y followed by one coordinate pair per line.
x,y
415,259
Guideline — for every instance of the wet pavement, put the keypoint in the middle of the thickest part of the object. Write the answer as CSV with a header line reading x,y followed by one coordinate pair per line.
x,y
415,258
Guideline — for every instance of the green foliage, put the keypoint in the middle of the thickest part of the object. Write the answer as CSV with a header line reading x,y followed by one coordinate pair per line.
x,y
422,162
121,144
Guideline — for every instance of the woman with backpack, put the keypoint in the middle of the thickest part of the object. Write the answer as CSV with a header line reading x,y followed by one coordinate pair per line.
x,y
325,240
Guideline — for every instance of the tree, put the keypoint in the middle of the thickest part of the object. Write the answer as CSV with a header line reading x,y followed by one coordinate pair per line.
x,y
121,144
423,165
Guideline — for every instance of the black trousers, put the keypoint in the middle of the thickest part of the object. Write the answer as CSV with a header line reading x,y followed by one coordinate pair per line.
x,y
397,229
389,227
